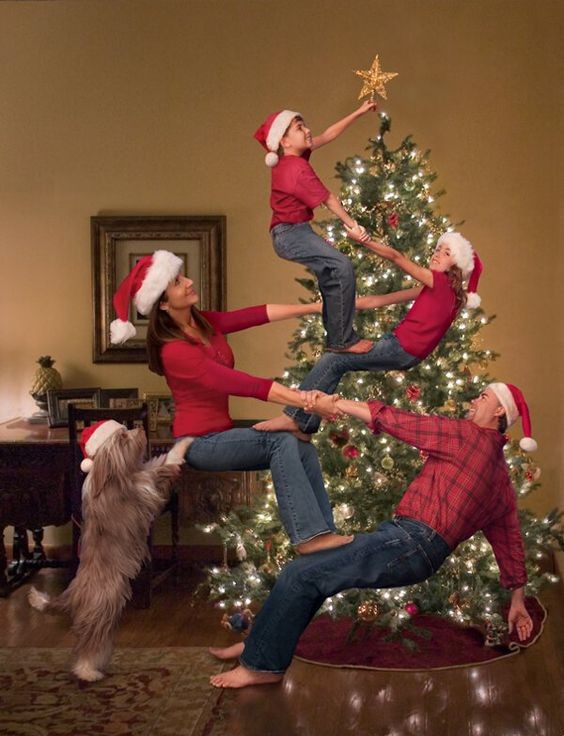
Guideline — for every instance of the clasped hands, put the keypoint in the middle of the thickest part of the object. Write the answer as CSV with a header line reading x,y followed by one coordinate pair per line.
x,y
318,402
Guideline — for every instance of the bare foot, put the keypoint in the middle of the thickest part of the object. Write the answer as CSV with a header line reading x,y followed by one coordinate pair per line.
x,y
324,541
282,423
232,652
241,677
362,346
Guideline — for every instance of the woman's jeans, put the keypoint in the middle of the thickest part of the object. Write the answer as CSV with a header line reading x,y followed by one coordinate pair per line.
x,y
400,552
335,274
303,504
386,355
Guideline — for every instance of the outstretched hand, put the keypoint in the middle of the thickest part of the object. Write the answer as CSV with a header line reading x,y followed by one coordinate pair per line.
x,y
318,402
357,232
368,106
519,619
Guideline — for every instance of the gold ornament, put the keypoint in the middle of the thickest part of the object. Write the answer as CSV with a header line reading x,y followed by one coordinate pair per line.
x,y
374,80
387,462
449,405
367,611
351,471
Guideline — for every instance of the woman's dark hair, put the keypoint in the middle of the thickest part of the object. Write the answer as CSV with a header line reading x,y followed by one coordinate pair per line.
x,y
456,281
162,328
502,423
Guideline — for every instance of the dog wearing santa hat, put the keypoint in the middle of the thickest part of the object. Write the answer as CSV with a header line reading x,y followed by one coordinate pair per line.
x,y
121,497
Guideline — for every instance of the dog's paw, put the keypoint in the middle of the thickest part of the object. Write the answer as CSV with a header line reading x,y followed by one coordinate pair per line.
x,y
86,672
38,600
176,455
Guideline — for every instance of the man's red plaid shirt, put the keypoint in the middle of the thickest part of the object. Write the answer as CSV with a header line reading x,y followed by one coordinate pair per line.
x,y
464,485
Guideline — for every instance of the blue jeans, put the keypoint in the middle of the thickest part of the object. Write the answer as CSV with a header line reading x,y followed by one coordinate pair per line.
x,y
335,274
386,355
400,552
302,499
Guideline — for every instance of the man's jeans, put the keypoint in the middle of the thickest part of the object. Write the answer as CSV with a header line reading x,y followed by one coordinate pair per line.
x,y
335,274
386,355
400,552
302,499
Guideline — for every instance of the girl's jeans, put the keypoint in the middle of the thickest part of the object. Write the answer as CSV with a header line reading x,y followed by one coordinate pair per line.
x,y
400,552
335,274
386,355
303,504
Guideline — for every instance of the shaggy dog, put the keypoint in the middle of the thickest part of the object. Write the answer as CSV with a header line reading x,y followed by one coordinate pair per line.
x,y
121,498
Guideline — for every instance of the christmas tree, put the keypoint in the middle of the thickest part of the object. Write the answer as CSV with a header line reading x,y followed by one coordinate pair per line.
x,y
389,192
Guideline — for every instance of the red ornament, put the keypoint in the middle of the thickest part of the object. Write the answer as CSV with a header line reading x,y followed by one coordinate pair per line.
x,y
393,220
413,392
411,608
423,455
351,452
339,438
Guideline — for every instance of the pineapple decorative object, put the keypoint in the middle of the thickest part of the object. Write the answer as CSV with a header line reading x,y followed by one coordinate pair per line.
x,y
46,377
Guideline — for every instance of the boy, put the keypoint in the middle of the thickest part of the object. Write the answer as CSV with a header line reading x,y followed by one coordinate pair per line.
x,y
296,191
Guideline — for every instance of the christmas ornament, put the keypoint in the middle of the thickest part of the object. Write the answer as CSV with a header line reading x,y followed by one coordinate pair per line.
x,y
239,621
240,550
351,452
387,462
449,405
423,455
351,472
532,473
374,80
393,220
339,437
413,392
346,510
411,608
367,611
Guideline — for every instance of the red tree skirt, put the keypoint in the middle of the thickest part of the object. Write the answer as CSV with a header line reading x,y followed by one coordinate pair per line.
x,y
450,645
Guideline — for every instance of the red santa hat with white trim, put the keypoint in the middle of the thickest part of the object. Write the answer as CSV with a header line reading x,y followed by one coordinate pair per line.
x,y
468,261
93,437
513,401
272,131
144,284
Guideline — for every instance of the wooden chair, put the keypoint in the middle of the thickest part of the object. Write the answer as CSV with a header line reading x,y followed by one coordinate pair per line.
x,y
148,577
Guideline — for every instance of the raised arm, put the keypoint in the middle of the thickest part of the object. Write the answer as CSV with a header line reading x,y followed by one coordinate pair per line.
x,y
278,312
374,301
419,273
337,128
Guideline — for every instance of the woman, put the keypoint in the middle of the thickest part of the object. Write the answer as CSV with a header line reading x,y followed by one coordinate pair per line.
x,y
436,305
189,349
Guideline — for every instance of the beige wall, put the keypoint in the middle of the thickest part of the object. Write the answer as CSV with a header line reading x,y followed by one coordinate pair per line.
x,y
147,107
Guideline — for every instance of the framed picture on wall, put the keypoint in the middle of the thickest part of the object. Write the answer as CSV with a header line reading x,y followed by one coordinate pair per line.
x,y
118,242
161,410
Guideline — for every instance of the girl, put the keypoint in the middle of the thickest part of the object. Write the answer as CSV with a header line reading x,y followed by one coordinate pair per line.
x,y
188,347
435,306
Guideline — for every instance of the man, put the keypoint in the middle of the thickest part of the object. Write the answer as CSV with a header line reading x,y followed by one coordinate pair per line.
x,y
463,487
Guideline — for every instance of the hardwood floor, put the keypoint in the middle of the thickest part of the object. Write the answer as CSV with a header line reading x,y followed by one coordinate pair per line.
x,y
519,696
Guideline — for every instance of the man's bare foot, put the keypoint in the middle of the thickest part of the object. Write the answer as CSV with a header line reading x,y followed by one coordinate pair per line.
x,y
324,541
232,652
242,677
282,423
362,346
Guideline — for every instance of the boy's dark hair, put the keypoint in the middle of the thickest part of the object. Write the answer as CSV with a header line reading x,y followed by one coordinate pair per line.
x,y
502,423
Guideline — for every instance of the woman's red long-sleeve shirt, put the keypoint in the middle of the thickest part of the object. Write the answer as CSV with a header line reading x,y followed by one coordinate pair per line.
x,y
202,377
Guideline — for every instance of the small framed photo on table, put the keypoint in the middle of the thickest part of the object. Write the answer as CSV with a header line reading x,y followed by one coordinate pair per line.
x,y
161,410
58,401
120,398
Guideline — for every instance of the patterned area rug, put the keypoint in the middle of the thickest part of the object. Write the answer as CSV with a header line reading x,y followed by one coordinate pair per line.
x,y
442,644
150,692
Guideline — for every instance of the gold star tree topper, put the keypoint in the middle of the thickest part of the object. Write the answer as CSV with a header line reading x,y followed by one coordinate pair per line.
x,y
374,80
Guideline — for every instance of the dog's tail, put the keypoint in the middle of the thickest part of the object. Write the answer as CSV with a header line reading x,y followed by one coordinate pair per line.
x,y
43,602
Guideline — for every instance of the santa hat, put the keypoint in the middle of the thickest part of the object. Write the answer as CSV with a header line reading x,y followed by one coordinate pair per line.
x,y
468,261
93,437
272,131
513,401
144,284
